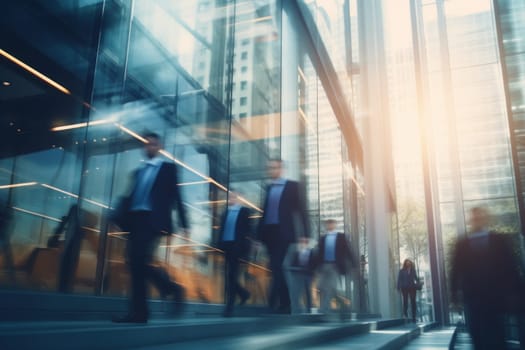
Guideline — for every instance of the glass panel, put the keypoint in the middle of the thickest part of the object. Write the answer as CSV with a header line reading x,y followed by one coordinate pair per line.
x,y
330,163
329,16
450,235
308,91
503,213
207,76
159,94
46,70
485,166
470,27
255,88
164,92
57,37
363,242
354,30
512,27
429,17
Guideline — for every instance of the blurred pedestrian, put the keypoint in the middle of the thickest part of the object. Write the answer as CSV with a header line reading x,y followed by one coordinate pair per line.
x,y
283,221
147,214
299,269
407,281
335,260
234,241
485,270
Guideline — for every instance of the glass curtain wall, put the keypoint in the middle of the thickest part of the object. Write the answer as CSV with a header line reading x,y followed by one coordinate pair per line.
x,y
46,84
356,176
462,59
509,14
312,139
461,108
410,221
202,74
466,113
86,79
339,176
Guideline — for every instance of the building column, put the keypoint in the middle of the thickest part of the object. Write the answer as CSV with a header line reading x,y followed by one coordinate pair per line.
x,y
378,168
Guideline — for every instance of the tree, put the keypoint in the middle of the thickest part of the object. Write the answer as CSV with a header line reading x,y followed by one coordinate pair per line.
x,y
412,228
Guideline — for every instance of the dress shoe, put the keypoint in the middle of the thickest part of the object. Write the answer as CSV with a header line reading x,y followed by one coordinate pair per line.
x,y
285,310
178,292
174,291
130,319
244,298
280,310
227,313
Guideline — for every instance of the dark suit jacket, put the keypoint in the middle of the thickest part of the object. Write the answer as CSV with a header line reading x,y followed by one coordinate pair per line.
x,y
488,277
241,244
292,213
164,194
343,254
406,278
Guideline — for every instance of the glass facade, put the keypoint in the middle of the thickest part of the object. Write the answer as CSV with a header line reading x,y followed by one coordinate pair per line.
x,y
510,27
452,146
227,86
410,221
348,93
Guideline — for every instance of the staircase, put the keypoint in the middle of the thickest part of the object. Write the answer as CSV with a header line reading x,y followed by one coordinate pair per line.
x,y
43,321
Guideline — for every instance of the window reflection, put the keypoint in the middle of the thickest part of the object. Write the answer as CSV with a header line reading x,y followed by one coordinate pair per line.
x,y
205,75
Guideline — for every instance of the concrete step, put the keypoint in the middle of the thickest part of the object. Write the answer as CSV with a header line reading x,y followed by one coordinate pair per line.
x,y
438,339
392,338
106,335
23,305
463,341
291,337
36,320
30,306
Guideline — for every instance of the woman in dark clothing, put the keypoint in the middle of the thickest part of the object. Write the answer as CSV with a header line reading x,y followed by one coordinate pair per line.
x,y
406,284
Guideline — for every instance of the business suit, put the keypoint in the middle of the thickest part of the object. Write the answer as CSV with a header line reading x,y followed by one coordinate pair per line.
x,y
332,267
484,268
235,245
284,211
148,218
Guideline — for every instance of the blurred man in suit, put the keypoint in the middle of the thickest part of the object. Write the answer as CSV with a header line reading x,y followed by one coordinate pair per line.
x,y
484,268
148,215
233,240
334,259
284,219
